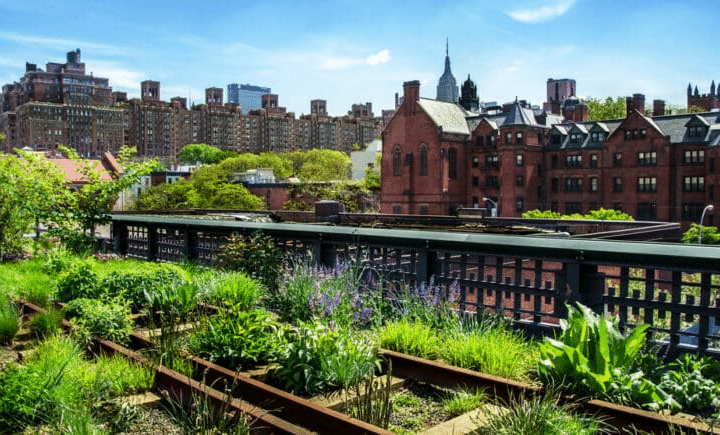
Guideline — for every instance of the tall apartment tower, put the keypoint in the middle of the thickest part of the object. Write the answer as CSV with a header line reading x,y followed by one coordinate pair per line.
x,y
214,96
150,91
318,107
558,90
270,101
233,95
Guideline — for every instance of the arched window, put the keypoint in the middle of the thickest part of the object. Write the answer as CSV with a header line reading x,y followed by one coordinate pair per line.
x,y
452,163
397,161
423,159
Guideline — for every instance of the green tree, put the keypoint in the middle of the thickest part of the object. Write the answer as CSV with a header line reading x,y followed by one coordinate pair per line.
x,y
203,153
280,164
31,188
165,196
324,165
372,175
90,205
710,235
607,109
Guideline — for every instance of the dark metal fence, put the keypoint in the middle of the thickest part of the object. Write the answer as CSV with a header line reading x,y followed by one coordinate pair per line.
x,y
675,288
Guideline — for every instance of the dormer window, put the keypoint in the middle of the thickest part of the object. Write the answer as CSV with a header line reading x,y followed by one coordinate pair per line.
x,y
556,139
696,131
575,137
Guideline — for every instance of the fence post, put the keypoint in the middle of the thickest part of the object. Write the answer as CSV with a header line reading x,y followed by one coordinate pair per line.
x,y
585,285
120,234
425,267
191,245
152,242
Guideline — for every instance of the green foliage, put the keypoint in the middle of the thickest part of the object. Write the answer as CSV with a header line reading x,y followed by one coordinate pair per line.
x,y
99,319
317,358
9,319
45,324
235,290
321,165
166,196
131,282
495,351
692,381
79,281
599,214
413,338
371,180
370,400
30,188
202,153
592,356
237,340
540,415
608,109
463,401
710,235
255,255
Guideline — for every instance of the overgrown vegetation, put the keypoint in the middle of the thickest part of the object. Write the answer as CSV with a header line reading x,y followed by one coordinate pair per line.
x,y
602,214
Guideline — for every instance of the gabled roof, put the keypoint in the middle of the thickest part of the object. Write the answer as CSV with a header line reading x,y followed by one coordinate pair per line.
x,y
449,116
520,116
73,168
600,126
579,127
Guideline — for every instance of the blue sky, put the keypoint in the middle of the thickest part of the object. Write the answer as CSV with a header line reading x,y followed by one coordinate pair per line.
x,y
348,51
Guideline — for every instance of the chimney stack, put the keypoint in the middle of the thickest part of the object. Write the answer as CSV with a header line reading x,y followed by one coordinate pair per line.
x,y
658,107
411,92
636,102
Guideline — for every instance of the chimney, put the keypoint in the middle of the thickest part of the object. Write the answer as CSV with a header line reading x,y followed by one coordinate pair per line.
x,y
658,107
636,102
411,92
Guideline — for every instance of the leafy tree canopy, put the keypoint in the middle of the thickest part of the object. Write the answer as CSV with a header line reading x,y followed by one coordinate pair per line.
x,y
608,109
203,153
710,235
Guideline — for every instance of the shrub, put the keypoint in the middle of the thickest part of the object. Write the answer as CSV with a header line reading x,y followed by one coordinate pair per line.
x,y
79,281
237,340
132,284
690,381
109,320
255,255
592,356
9,320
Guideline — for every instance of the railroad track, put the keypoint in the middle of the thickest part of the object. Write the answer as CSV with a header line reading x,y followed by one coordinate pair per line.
x,y
274,411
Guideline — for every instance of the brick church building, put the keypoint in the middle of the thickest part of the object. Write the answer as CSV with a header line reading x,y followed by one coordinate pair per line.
x,y
438,156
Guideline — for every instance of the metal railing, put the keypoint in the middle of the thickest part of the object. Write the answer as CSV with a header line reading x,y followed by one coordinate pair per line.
x,y
673,287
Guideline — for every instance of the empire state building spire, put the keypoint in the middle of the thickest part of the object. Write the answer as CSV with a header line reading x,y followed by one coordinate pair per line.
x,y
447,89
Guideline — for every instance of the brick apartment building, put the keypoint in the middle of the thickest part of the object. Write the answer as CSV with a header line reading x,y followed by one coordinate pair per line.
x,y
437,157
63,105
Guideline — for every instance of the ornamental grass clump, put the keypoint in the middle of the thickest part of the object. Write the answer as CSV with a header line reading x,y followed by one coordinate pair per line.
x,y
413,338
235,290
9,319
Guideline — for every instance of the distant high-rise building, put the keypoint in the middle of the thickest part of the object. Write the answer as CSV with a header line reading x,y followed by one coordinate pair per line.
x,y
558,90
249,97
447,89
214,96
469,97
150,90
318,107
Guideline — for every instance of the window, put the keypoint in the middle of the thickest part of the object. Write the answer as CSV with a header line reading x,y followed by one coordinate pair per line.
x,y
647,211
554,206
479,141
475,202
694,156
397,209
573,184
617,184
508,138
519,159
554,161
555,139
423,160
490,141
554,185
573,161
519,138
597,136
696,131
711,192
476,162
647,158
492,161
692,211
575,137
397,162
452,163
711,166
573,207
617,160
593,160
647,184
628,135
491,181
519,204
694,184
475,180
593,184
519,180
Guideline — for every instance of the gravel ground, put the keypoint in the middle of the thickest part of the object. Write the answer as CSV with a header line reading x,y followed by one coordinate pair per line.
x,y
418,406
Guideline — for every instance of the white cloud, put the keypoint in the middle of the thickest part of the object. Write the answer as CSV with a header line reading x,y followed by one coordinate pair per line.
x,y
64,44
382,56
543,12
120,77
515,66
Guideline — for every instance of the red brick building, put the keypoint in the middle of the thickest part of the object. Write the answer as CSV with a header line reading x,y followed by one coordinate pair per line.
x,y
438,157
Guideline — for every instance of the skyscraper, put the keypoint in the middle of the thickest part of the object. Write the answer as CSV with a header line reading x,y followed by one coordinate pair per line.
x,y
447,89
249,97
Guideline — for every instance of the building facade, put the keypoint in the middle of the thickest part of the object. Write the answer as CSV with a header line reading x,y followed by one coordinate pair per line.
x,y
248,97
447,89
437,158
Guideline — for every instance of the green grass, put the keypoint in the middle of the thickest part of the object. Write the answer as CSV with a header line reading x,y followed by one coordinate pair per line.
x,y
412,338
461,402
540,416
496,351
234,289
9,319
